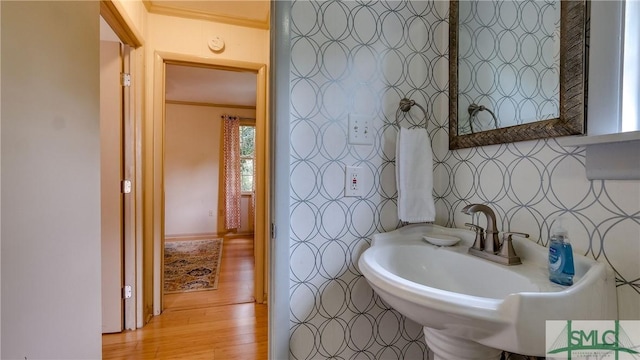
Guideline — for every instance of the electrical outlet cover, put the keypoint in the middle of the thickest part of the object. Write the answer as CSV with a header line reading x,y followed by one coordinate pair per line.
x,y
353,181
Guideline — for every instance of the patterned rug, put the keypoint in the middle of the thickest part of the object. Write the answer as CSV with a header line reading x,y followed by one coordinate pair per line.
x,y
191,265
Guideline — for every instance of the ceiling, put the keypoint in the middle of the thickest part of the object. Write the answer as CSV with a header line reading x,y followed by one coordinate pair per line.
x,y
210,86
206,85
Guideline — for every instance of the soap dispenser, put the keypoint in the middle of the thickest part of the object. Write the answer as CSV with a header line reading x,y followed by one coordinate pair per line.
x,y
561,269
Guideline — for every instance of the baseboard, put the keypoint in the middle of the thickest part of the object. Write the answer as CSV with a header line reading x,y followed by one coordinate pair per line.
x,y
186,237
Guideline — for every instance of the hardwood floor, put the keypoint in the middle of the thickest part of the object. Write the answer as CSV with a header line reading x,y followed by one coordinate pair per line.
x,y
235,284
217,324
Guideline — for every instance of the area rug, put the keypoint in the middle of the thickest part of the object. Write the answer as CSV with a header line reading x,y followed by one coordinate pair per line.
x,y
191,265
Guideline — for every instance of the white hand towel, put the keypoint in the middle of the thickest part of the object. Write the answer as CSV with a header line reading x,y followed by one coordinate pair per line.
x,y
414,176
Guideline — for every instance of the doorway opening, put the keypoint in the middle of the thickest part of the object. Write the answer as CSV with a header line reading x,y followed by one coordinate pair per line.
x,y
209,176
208,213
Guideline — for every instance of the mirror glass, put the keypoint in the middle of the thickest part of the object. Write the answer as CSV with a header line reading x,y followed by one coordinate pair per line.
x,y
514,69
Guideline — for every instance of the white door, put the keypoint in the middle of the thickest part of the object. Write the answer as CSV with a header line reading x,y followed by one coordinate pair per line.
x,y
110,183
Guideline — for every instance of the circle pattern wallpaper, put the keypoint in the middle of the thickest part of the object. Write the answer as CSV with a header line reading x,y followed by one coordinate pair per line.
x,y
362,57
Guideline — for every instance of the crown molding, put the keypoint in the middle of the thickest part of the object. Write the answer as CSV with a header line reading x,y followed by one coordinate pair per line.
x,y
202,15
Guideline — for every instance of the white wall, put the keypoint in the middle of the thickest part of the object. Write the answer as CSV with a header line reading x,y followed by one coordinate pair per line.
x,y
189,36
50,177
192,167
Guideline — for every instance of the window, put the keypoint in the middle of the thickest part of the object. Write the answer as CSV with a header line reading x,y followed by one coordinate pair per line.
x,y
247,157
613,67
631,68
613,113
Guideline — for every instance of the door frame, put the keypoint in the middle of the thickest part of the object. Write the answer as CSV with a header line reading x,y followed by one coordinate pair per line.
x,y
132,115
156,158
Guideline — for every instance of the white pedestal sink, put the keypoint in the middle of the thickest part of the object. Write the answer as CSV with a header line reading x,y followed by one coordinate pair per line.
x,y
472,308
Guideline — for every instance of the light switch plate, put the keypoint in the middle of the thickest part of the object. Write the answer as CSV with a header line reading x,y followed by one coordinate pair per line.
x,y
360,129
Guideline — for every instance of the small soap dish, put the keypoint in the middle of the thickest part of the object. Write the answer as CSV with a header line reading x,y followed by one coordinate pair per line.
x,y
441,239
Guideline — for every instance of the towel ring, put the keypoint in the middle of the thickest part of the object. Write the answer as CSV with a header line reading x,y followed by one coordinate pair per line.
x,y
473,111
405,106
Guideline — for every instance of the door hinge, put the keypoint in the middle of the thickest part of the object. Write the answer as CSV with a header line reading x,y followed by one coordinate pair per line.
x,y
126,186
125,79
273,230
127,292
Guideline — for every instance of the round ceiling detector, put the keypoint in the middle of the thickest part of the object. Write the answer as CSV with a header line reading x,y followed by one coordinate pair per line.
x,y
216,44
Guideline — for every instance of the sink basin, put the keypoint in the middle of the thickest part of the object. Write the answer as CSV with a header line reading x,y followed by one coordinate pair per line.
x,y
472,308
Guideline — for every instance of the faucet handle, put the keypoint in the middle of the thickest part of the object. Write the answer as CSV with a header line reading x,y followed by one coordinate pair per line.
x,y
507,251
474,227
479,242
506,236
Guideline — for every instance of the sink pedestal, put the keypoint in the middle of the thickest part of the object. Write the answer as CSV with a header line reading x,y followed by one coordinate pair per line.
x,y
446,347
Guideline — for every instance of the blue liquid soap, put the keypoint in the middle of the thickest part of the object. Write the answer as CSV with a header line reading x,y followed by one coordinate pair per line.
x,y
561,270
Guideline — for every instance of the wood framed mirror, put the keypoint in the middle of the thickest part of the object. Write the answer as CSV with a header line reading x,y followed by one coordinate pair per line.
x,y
496,63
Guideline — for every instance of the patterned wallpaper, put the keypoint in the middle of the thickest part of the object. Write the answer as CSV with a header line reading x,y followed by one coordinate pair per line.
x,y
361,57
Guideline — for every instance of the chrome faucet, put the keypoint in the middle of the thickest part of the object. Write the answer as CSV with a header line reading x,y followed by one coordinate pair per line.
x,y
492,244
491,248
